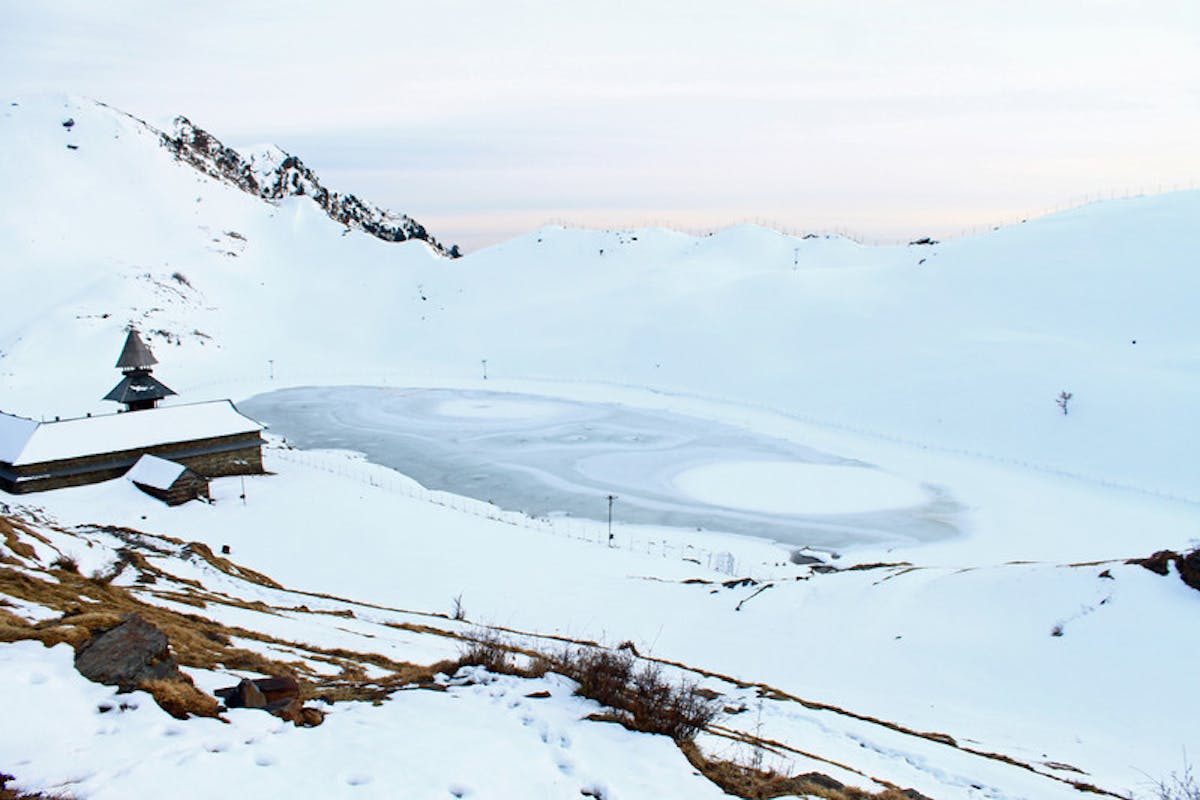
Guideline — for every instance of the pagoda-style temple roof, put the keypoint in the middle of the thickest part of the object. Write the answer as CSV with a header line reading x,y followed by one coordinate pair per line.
x,y
137,387
135,355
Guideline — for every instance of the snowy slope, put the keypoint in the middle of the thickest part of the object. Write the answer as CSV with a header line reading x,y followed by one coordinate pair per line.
x,y
965,351
939,364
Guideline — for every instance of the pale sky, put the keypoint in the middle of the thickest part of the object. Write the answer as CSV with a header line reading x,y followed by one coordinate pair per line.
x,y
484,120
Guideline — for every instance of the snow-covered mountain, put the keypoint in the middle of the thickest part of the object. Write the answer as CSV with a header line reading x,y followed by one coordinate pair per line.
x,y
940,364
274,175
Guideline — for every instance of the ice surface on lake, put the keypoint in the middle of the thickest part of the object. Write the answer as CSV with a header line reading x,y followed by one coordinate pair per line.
x,y
546,456
785,487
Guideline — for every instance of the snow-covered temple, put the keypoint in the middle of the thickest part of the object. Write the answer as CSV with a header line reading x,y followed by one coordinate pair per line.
x,y
212,439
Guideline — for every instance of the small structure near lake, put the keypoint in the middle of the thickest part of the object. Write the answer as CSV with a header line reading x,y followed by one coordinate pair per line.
x,y
169,481
210,439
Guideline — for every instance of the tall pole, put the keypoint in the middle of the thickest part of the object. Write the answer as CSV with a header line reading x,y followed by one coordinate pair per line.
x,y
611,497
484,362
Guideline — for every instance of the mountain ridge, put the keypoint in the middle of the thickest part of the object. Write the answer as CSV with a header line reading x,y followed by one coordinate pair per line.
x,y
290,177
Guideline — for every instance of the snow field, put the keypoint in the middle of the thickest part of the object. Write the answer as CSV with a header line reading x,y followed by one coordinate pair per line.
x,y
968,652
476,740
937,364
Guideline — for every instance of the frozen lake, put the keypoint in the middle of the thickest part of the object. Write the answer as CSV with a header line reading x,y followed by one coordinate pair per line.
x,y
546,456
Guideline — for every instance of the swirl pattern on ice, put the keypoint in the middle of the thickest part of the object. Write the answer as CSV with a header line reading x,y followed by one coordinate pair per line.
x,y
549,456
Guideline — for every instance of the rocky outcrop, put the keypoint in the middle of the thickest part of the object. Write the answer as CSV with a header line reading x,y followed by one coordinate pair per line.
x,y
127,655
276,175
1187,564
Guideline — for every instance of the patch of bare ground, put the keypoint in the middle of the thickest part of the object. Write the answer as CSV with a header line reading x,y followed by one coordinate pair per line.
x,y
1186,564
630,685
87,605
752,783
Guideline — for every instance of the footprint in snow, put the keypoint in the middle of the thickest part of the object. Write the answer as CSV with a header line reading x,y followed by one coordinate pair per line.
x,y
460,790
265,761
358,779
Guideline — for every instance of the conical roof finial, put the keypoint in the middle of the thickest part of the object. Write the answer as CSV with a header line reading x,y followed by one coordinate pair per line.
x,y
135,354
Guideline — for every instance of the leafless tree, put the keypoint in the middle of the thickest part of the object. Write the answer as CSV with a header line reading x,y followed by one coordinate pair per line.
x,y
1061,401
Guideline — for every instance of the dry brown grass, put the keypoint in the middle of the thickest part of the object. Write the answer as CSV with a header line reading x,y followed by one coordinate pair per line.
x,y
230,568
756,784
639,696
9,529
181,699
89,604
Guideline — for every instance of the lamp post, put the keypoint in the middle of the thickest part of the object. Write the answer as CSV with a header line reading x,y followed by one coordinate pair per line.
x,y
611,497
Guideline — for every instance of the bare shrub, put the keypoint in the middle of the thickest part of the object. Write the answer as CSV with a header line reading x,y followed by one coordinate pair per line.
x,y
641,697
1181,785
650,702
460,613
66,563
602,675
488,650
1064,397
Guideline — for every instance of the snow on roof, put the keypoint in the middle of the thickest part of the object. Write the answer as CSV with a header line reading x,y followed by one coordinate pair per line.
x,y
155,472
73,438
14,433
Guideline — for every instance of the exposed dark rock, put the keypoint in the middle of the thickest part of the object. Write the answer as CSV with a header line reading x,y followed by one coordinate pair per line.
x,y
290,178
278,696
738,583
924,240
258,693
1189,568
1188,565
1159,563
127,655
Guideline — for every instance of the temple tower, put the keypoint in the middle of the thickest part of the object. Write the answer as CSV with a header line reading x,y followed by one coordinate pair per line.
x,y
138,389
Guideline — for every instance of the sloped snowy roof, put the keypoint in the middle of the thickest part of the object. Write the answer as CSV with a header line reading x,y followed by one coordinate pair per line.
x,y
138,386
14,433
155,472
24,441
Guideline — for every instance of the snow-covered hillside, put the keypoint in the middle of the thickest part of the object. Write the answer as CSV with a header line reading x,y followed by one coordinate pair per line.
x,y
937,365
962,345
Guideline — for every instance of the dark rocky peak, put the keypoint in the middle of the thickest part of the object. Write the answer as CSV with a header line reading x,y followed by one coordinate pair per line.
x,y
273,175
